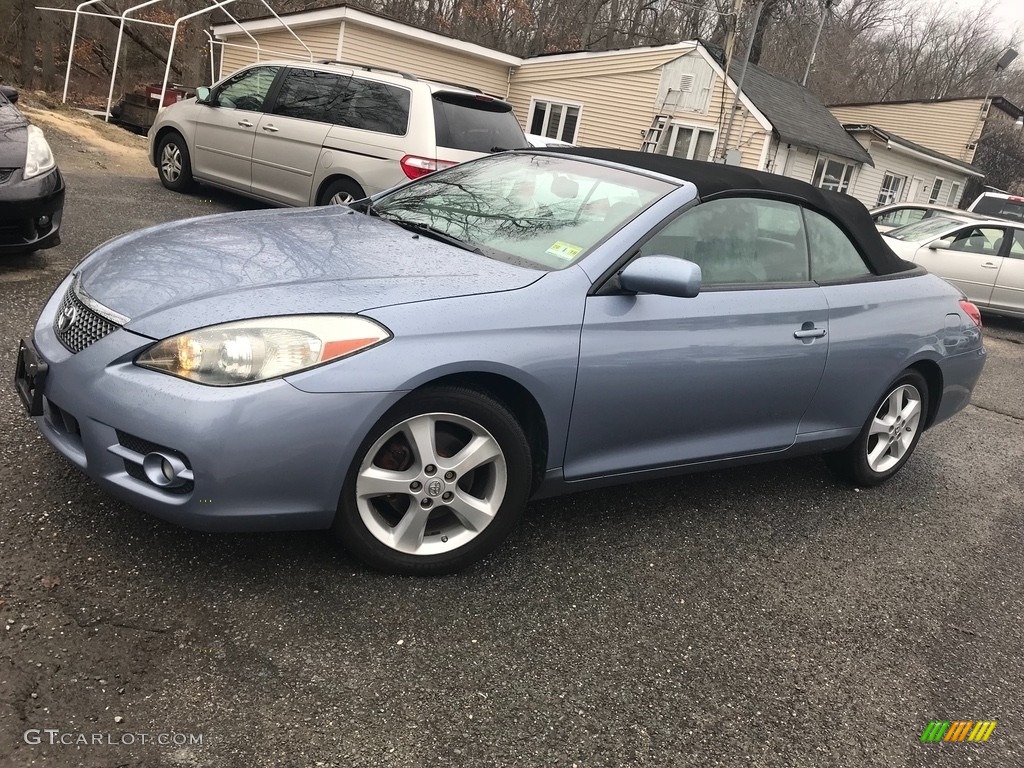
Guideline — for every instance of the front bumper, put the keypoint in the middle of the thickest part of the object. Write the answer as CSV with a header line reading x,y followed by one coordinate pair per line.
x,y
261,457
30,212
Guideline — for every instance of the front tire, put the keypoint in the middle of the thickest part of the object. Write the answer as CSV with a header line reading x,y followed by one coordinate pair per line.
x,y
438,484
174,163
890,435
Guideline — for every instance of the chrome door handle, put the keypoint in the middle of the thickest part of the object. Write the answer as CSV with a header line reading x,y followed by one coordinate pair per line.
x,y
269,128
990,265
809,333
245,124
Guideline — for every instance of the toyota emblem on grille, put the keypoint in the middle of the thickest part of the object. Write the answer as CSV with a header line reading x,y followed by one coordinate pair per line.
x,y
67,318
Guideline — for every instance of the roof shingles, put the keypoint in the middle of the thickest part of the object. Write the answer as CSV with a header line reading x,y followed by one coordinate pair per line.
x,y
795,113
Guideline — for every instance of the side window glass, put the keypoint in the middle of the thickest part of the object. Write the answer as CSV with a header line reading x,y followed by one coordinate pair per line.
x,y
247,90
738,240
833,255
375,106
310,95
985,241
1017,246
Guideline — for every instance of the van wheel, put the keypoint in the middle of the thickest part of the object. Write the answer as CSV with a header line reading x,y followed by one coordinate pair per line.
x,y
174,163
341,192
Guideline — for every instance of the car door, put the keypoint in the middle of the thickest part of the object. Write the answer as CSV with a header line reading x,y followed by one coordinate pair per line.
x,y
226,128
1008,292
667,381
968,258
290,136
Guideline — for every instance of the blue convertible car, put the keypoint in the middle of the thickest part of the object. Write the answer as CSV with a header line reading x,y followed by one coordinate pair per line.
x,y
411,370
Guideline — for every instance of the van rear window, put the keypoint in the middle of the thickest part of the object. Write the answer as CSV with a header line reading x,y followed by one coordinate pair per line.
x,y
1000,207
476,123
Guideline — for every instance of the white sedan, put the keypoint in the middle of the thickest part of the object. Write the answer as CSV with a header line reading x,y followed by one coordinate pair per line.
x,y
983,258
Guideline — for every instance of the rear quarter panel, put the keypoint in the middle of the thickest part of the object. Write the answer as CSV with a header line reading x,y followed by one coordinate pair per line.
x,y
879,328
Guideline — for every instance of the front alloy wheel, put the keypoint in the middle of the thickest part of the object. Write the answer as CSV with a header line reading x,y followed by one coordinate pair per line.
x,y
889,436
442,482
174,163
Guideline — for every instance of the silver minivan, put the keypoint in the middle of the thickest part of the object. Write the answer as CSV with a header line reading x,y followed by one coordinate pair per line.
x,y
324,133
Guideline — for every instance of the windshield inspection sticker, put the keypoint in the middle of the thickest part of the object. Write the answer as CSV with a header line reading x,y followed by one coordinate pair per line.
x,y
566,251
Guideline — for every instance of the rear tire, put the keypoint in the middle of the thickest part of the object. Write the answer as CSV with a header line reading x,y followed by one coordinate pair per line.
x,y
174,163
889,436
340,192
438,483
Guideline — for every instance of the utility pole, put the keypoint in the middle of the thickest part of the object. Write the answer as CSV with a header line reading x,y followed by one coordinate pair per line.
x,y
817,37
743,74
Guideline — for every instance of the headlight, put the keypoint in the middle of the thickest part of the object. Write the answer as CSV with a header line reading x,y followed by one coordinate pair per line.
x,y
256,350
38,157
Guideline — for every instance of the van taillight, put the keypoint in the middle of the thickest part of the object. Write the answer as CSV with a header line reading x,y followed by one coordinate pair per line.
x,y
414,166
971,311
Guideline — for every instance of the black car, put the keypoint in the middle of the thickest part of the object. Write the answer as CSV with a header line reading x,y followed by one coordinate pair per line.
x,y
31,187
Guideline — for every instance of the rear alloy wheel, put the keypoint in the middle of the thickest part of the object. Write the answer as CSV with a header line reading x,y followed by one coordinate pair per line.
x,y
889,437
437,485
174,163
341,192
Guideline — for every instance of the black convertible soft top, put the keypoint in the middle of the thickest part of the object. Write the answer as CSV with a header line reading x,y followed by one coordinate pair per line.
x,y
716,180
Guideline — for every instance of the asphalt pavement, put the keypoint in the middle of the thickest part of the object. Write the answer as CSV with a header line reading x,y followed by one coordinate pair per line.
x,y
766,616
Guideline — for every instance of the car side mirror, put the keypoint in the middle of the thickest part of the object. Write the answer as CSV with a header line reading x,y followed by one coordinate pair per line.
x,y
939,245
663,276
203,95
11,94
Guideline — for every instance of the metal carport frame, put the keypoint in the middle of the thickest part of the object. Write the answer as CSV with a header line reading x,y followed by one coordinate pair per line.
x,y
124,17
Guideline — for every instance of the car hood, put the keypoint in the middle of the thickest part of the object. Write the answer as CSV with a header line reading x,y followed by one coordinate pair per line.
x,y
13,137
175,277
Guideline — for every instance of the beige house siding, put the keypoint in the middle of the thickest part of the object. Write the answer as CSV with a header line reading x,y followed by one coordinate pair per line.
x,y
322,40
575,66
800,164
364,44
621,92
616,109
919,173
948,127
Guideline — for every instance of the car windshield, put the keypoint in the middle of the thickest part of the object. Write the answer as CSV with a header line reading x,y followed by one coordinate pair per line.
x,y
537,210
1000,207
921,230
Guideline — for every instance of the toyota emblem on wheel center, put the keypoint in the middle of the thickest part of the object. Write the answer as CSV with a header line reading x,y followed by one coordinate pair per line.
x,y
434,487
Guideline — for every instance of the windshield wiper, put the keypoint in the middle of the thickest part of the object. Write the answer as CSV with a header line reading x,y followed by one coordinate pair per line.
x,y
426,229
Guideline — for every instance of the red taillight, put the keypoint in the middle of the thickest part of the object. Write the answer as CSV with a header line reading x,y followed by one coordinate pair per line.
x,y
1015,199
971,311
415,166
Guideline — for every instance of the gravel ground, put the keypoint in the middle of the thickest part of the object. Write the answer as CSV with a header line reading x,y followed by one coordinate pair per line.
x,y
757,617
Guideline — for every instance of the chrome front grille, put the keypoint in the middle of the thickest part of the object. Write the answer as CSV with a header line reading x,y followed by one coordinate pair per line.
x,y
77,325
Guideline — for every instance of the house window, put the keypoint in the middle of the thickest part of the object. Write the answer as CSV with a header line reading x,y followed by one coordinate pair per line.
x,y
555,121
892,189
832,174
954,194
936,190
688,143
